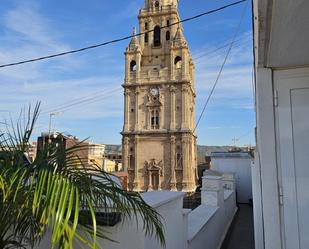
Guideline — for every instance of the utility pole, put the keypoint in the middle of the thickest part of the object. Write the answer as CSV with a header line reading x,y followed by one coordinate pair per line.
x,y
52,114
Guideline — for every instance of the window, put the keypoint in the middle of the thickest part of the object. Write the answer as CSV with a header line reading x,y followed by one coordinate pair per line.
x,y
133,66
168,23
168,35
178,62
146,38
157,4
154,119
146,25
157,36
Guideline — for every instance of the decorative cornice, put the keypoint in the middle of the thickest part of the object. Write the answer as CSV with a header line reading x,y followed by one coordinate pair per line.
x,y
157,83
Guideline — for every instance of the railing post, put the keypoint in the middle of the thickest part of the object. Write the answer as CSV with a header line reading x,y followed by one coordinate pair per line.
x,y
212,193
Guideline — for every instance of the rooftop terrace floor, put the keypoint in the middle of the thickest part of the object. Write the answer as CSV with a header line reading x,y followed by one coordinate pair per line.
x,y
241,233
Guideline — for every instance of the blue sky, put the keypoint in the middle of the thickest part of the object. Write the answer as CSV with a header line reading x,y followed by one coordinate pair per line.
x,y
34,28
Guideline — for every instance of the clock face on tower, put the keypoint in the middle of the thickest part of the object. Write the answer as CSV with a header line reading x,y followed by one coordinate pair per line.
x,y
154,91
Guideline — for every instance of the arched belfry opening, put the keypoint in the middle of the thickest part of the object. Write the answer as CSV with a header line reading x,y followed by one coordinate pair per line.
x,y
157,36
157,4
178,62
133,66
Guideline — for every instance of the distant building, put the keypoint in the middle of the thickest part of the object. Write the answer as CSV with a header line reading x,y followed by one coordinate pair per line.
x,y
31,151
116,157
111,166
89,153
96,153
238,163
123,178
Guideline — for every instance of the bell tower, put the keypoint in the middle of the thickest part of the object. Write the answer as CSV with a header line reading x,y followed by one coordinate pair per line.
x,y
159,143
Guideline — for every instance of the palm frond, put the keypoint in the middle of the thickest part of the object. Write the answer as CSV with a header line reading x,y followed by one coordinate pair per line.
x,y
59,192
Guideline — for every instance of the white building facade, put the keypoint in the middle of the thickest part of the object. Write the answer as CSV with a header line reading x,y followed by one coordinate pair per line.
x,y
281,172
238,163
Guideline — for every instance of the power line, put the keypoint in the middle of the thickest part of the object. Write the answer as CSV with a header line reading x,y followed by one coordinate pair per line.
x,y
222,67
84,101
219,74
91,98
218,48
112,93
101,93
211,54
120,39
92,95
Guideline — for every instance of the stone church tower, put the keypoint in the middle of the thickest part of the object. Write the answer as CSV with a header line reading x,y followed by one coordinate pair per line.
x,y
159,144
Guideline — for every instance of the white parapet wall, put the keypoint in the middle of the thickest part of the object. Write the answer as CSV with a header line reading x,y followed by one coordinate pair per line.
x,y
209,223
203,228
130,234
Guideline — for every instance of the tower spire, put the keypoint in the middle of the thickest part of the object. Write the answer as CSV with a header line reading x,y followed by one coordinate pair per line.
x,y
179,39
134,40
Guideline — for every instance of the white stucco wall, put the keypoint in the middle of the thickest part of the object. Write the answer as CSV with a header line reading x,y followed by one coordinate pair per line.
x,y
130,235
203,228
242,169
208,225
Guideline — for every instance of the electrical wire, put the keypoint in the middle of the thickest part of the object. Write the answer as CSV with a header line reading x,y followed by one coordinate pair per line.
x,y
97,94
119,39
213,55
84,101
219,75
90,96
222,67
206,53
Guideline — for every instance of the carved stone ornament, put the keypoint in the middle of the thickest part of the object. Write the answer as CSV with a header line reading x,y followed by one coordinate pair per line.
x,y
173,89
126,141
153,101
185,88
127,92
152,166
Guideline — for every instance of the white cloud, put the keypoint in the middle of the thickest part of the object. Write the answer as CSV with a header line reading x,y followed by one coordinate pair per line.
x,y
234,88
28,34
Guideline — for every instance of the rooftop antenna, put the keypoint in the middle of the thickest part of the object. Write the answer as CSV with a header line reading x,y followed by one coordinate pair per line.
x,y
235,140
52,114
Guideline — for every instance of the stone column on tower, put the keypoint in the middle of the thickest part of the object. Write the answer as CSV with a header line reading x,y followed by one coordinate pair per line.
x,y
173,164
186,163
172,72
173,107
137,91
125,153
184,106
138,67
126,108
137,181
